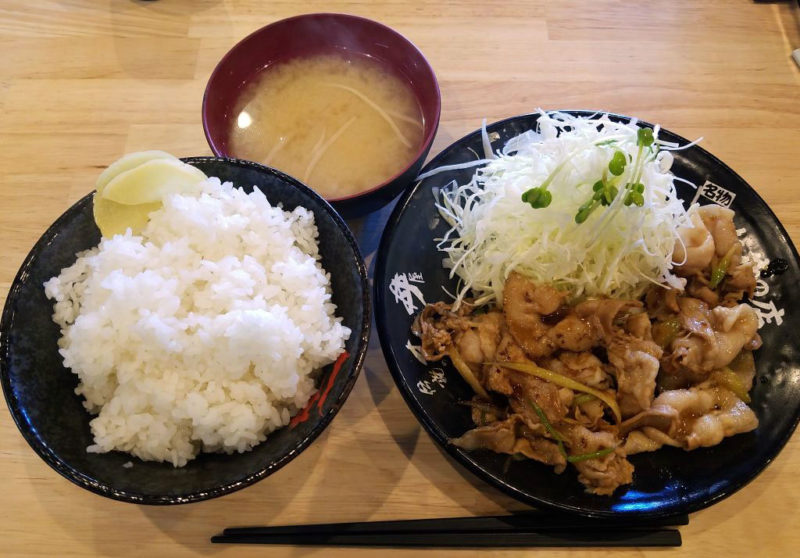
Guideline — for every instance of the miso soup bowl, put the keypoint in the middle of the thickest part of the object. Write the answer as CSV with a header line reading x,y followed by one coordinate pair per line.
x,y
319,34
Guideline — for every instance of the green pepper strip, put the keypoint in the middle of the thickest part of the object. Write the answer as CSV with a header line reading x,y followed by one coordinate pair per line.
x,y
593,455
560,439
583,398
563,381
719,271
728,379
550,429
664,333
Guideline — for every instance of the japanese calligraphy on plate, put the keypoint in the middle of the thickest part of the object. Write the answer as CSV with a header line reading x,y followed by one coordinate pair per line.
x,y
409,273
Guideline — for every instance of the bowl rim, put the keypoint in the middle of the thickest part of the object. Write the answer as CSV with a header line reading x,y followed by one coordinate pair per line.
x,y
103,489
427,140
460,456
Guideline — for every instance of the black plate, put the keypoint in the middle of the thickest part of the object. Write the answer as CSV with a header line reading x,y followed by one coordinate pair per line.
x,y
40,391
665,482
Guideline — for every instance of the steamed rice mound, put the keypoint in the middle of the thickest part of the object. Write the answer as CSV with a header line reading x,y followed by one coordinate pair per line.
x,y
203,333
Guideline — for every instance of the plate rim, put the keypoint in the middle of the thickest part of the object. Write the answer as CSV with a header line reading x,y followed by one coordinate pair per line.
x,y
461,456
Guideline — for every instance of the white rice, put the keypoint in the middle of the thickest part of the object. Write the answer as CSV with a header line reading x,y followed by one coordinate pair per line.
x,y
203,333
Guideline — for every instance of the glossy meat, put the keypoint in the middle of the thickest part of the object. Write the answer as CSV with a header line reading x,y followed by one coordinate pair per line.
x,y
584,367
715,337
661,301
740,281
690,418
503,437
711,241
695,247
718,221
478,341
528,389
435,326
630,349
636,373
573,334
664,361
524,305
601,313
602,475
499,436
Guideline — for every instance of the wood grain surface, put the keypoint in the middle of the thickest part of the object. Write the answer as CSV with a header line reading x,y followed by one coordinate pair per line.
x,y
82,82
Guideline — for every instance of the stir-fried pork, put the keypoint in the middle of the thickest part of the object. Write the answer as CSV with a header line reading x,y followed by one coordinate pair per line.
x,y
690,418
605,474
584,367
696,247
636,378
505,437
630,348
677,366
712,339
436,326
718,221
478,342
524,306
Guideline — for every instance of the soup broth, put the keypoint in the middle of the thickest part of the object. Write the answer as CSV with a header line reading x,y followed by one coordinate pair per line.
x,y
340,125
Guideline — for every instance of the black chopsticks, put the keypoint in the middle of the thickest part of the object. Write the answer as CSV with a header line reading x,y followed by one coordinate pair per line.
x,y
615,538
529,529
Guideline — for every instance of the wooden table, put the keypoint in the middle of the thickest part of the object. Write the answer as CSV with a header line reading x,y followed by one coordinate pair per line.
x,y
82,82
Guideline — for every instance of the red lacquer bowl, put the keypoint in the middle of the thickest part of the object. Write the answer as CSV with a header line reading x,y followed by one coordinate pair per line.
x,y
314,34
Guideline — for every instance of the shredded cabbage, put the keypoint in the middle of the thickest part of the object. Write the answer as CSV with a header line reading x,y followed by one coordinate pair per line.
x,y
617,251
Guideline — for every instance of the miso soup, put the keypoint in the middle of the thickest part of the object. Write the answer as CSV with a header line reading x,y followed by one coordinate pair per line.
x,y
340,125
